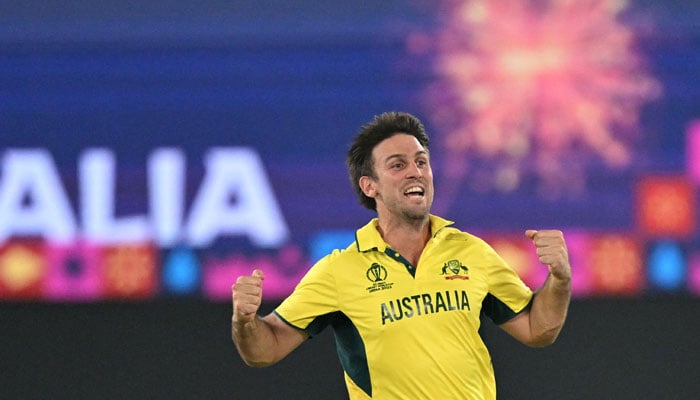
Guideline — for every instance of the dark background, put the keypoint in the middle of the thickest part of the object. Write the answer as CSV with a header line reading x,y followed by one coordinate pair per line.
x,y
609,349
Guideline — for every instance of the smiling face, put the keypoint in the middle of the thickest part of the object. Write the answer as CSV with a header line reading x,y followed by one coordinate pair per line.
x,y
403,186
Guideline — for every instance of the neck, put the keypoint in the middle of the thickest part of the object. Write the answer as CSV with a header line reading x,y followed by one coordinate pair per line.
x,y
408,237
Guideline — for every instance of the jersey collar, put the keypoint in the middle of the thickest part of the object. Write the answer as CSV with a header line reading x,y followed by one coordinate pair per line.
x,y
368,238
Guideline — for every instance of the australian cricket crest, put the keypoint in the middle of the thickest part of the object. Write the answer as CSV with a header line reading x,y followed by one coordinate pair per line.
x,y
377,274
454,269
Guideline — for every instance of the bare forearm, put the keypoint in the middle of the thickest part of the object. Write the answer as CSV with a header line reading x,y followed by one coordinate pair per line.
x,y
549,309
255,341
261,341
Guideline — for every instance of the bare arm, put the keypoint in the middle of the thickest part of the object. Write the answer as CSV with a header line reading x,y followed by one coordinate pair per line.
x,y
261,341
540,325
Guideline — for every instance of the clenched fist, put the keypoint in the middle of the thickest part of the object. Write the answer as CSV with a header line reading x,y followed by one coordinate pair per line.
x,y
551,249
247,296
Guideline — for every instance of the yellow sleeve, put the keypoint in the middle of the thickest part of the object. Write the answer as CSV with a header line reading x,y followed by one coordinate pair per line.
x,y
314,300
507,295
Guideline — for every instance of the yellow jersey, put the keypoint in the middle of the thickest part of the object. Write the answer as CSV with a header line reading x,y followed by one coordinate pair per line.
x,y
404,331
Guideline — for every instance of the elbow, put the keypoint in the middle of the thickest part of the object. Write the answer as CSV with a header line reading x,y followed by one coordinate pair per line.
x,y
541,342
544,338
254,359
257,364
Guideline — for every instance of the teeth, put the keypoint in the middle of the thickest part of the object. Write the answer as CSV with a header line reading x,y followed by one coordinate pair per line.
x,y
412,190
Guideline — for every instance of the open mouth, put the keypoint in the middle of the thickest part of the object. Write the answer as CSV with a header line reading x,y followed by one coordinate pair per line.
x,y
414,192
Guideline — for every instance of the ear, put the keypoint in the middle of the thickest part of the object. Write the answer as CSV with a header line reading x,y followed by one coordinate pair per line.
x,y
368,187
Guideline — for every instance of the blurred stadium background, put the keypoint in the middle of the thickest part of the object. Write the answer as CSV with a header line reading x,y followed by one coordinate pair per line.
x,y
153,151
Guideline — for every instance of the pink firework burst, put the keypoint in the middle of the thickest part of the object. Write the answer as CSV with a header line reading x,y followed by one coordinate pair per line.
x,y
534,86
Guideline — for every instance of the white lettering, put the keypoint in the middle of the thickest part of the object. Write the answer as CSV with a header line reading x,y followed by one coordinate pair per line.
x,y
235,198
166,178
236,174
32,200
97,197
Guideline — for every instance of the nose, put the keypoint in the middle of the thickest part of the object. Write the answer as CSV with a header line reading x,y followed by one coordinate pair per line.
x,y
414,171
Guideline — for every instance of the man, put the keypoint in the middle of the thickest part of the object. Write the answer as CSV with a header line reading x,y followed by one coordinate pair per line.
x,y
405,298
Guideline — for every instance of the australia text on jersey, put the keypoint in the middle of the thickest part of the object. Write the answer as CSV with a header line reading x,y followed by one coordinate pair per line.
x,y
424,304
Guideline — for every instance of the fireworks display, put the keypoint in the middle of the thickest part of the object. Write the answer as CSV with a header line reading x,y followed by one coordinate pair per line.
x,y
541,87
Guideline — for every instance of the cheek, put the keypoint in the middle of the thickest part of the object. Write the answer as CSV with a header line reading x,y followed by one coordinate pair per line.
x,y
428,175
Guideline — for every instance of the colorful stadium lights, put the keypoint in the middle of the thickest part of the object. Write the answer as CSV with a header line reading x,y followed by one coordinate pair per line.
x,y
666,266
616,265
181,271
74,272
22,269
130,272
666,206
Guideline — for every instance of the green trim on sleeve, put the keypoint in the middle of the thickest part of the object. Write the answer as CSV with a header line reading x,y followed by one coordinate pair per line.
x,y
498,311
349,344
319,324
287,322
315,327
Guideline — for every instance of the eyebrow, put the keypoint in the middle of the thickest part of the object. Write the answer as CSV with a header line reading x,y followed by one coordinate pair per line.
x,y
400,155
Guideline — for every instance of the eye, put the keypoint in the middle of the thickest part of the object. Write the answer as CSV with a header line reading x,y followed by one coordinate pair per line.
x,y
397,165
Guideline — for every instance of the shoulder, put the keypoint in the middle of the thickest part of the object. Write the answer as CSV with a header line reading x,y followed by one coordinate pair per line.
x,y
457,239
339,258
454,234
339,254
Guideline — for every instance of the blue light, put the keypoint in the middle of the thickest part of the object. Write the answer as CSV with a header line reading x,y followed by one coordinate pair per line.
x,y
181,271
326,241
666,266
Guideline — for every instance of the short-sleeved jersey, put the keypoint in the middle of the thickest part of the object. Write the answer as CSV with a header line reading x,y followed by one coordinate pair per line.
x,y
404,331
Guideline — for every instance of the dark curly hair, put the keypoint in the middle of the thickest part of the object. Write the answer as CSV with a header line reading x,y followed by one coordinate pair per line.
x,y
359,158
